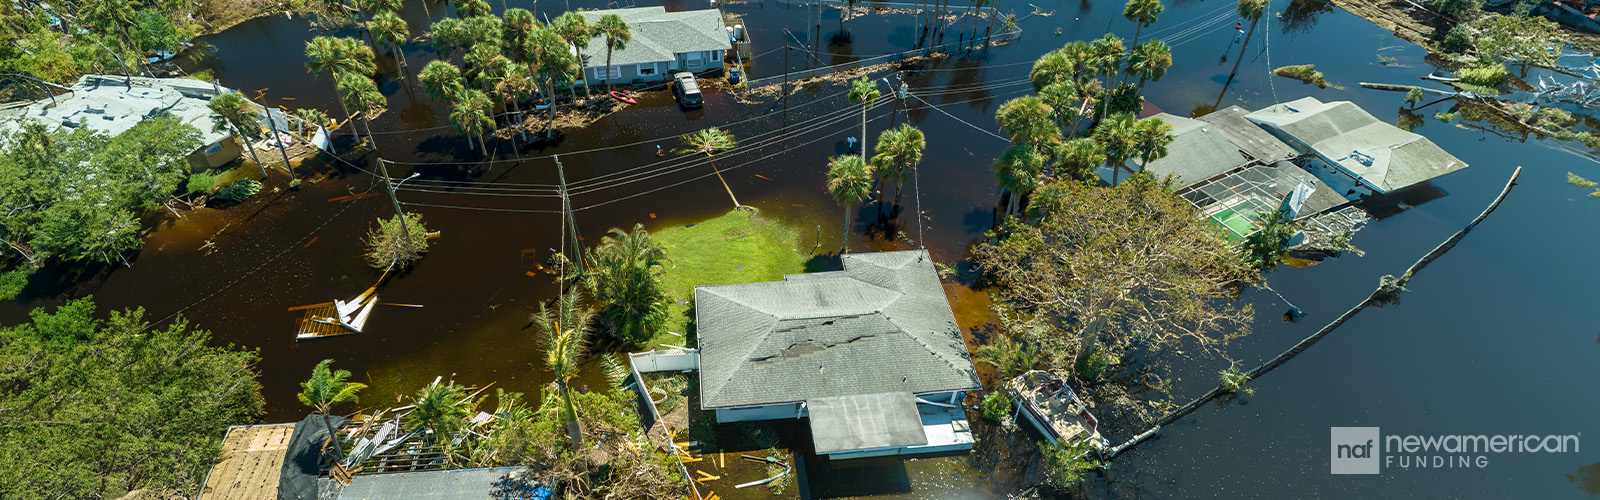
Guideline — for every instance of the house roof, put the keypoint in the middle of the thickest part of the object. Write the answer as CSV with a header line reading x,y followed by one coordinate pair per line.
x,y
658,35
865,421
1383,155
252,462
105,103
1215,144
881,325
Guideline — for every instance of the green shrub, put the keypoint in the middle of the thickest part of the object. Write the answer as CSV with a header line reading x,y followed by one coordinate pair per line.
x,y
391,245
1090,367
1491,75
1066,465
202,183
997,406
1444,117
203,75
1462,10
240,189
1580,182
1306,73
12,282
1233,381
1414,96
1458,40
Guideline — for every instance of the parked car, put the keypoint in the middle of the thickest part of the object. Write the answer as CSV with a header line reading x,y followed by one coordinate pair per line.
x,y
686,89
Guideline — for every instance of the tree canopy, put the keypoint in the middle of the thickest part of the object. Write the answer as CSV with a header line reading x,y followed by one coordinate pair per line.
x,y
95,407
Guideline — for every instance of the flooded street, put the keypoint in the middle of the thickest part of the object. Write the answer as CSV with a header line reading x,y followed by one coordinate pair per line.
x,y
1497,337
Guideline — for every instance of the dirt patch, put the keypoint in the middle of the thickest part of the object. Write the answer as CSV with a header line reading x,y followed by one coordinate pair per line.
x,y
572,115
754,94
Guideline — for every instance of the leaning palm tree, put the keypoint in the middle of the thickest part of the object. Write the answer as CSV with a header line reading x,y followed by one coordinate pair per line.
x,y
572,27
617,36
331,57
388,27
565,335
623,272
865,93
1117,136
1019,170
1151,137
1149,61
443,409
709,142
235,111
850,182
326,388
1252,10
472,115
359,93
899,151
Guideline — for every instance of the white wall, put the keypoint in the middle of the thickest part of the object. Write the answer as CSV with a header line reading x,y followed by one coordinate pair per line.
x,y
771,412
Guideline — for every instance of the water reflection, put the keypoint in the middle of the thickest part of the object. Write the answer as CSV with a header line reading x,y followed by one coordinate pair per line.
x,y
1300,16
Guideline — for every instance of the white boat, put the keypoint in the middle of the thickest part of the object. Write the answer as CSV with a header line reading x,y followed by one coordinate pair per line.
x,y
1048,403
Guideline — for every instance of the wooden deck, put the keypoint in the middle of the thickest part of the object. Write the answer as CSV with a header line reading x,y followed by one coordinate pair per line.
x,y
309,327
252,461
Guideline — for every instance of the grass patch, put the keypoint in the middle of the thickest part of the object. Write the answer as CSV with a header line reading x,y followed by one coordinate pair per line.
x,y
1306,73
737,247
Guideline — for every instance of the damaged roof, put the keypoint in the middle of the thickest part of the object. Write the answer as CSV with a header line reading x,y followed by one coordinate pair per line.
x,y
882,325
1383,155
1215,144
107,104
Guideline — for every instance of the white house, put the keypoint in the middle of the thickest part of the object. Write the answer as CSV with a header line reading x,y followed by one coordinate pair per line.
x,y
108,104
1353,152
663,42
870,355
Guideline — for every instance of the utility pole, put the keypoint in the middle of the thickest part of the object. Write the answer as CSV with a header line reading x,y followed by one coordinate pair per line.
x,y
786,36
383,169
566,208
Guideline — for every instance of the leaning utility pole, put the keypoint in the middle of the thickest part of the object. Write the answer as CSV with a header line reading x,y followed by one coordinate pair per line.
x,y
566,209
383,169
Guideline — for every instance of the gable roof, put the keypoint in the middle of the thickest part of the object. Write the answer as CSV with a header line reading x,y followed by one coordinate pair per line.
x,y
657,35
882,325
1215,144
105,103
1383,155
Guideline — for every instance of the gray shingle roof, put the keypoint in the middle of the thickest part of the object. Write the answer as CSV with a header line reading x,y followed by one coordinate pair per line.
x,y
658,35
1215,144
105,103
882,325
1336,130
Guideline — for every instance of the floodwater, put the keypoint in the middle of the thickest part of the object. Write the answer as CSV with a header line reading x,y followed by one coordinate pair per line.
x,y
1498,337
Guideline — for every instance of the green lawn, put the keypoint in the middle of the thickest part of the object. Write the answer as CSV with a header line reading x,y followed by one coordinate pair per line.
x,y
737,247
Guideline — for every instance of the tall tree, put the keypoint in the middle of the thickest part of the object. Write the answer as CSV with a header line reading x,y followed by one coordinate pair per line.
x,y
1117,136
565,335
624,273
850,182
1151,136
899,151
449,35
389,28
1142,13
1020,170
1030,122
1107,53
442,81
1129,264
617,34
360,93
472,115
548,52
1252,10
1078,159
235,112
325,389
709,142
864,93
572,27
1149,61
330,57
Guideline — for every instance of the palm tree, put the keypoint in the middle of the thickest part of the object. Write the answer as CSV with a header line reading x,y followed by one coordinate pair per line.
x,y
1029,120
236,111
517,24
1052,67
563,348
624,273
617,36
572,27
359,93
1008,356
1143,13
1061,96
442,81
448,35
1149,61
1252,10
472,8
1151,138
1078,158
710,142
850,182
326,388
472,115
1117,136
864,93
330,57
443,408
549,53
392,30
899,151
1019,170
1107,54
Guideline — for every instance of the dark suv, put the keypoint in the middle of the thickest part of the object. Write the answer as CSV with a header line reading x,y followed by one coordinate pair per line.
x,y
686,90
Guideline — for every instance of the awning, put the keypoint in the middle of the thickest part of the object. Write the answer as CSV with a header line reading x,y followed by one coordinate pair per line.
x,y
864,422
